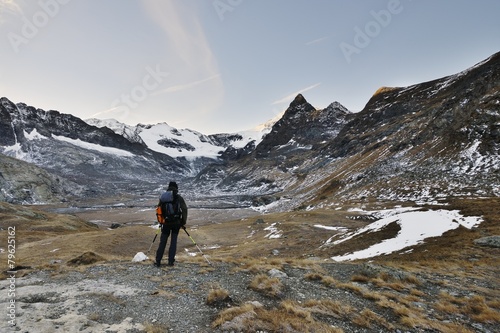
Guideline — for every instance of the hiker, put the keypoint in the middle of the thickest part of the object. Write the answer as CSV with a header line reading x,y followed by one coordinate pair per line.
x,y
174,226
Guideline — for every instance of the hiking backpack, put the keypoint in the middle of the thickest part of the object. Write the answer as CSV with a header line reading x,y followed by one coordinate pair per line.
x,y
169,210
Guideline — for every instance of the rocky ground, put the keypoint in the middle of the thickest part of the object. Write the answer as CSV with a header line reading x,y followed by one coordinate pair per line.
x,y
192,296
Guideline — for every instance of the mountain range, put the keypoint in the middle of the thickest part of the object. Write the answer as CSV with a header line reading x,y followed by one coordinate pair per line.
x,y
424,142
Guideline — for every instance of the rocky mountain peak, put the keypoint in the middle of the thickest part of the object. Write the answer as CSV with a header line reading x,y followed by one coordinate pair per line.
x,y
299,100
303,126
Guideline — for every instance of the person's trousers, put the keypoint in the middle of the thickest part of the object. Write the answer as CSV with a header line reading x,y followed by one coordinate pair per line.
x,y
165,233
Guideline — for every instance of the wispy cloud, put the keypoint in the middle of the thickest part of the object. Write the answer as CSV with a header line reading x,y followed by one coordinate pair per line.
x,y
316,41
189,54
290,97
9,7
184,33
113,112
181,87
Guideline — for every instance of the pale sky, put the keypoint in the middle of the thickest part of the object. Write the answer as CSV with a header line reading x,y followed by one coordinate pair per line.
x,y
229,65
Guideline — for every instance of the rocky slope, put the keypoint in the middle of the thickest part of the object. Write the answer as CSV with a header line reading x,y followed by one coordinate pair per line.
x,y
424,142
95,158
22,182
300,297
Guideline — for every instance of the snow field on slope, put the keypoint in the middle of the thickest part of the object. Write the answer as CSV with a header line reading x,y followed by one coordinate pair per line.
x,y
416,226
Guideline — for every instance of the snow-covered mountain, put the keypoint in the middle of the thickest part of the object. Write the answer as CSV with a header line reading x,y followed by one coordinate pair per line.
x,y
105,155
186,143
423,142
64,145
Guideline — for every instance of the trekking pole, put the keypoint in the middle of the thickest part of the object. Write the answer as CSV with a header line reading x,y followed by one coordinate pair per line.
x,y
157,232
197,246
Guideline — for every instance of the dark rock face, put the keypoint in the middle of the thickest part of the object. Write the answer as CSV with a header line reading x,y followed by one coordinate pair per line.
x,y
430,140
25,119
304,125
173,143
455,110
8,137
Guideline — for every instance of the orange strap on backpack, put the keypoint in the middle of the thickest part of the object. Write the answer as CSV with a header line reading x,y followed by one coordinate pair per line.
x,y
159,215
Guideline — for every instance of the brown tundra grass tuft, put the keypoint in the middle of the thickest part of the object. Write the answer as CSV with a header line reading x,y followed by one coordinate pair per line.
x,y
217,295
267,285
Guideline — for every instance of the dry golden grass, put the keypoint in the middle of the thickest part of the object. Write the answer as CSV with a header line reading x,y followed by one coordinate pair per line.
x,y
475,307
326,280
155,328
416,292
257,265
494,303
245,314
444,306
414,317
360,278
289,317
366,318
399,286
267,285
314,276
331,308
217,295
382,90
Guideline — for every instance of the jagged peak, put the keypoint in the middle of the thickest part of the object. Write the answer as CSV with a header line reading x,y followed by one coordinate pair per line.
x,y
299,100
337,106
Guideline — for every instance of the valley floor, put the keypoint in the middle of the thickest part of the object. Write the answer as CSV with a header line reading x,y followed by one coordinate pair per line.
x,y
72,275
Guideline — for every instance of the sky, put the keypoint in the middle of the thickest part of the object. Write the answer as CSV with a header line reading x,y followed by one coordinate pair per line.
x,y
223,66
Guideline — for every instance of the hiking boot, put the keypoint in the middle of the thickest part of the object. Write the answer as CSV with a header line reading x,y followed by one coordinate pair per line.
x,y
170,263
156,264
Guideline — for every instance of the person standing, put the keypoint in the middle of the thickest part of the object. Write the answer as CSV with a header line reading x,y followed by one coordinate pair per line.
x,y
175,212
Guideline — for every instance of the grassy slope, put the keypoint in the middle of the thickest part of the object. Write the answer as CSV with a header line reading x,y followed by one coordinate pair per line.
x,y
450,262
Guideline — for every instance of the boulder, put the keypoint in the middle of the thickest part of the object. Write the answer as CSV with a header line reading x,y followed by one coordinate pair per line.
x,y
490,241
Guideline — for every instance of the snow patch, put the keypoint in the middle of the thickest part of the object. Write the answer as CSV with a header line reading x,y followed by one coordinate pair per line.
x,y
274,232
93,146
330,228
416,226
